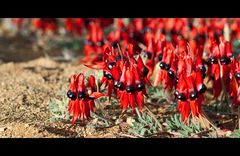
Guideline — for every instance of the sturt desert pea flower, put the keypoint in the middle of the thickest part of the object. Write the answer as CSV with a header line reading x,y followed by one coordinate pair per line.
x,y
166,74
219,69
45,24
136,31
189,90
150,62
235,28
126,76
94,44
235,81
160,43
82,97
131,85
119,35
18,22
131,88
111,69
74,25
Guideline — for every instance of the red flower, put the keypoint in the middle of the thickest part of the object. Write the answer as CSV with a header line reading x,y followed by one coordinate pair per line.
x,y
219,59
131,88
125,75
74,25
82,98
189,91
235,82
94,45
45,24
167,71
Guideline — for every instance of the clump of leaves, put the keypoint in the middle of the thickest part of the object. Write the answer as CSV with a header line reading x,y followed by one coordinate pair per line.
x,y
143,126
102,118
235,134
59,109
99,121
158,95
175,124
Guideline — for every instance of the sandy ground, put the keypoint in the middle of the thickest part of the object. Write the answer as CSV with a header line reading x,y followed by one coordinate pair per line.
x,y
26,89
28,80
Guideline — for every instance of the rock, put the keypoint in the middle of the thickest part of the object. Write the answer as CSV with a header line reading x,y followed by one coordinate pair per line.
x,y
118,121
2,129
130,121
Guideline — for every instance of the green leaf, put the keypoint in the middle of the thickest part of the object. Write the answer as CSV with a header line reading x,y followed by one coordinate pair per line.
x,y
170,126
184,133
197,128
149,119
178,123
142,132
188,129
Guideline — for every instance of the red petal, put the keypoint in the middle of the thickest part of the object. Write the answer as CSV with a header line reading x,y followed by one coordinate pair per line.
x,y
140,63
98,66
125,100
228,49
91,82
96,95
140,99
131,98
110,88
116,73
76,111
217,88
193,106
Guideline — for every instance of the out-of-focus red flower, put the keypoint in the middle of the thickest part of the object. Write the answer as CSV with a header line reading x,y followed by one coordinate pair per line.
x,y
45,24
18,22
74,25
94,45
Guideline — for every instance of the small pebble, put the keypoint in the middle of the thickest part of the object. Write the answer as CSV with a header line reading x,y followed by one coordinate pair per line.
x,y
3,129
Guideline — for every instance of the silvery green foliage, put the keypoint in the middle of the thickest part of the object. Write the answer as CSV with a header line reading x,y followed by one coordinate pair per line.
x,y
175,124
59,109
143,126
160,96
98,122
235,134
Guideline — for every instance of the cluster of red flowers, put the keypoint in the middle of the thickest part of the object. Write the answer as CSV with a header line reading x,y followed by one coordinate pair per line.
x,y
183,70
182,52
82,96
122,73
125,75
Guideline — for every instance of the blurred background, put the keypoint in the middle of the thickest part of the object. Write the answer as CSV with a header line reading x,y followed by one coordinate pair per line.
x,y
22,39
